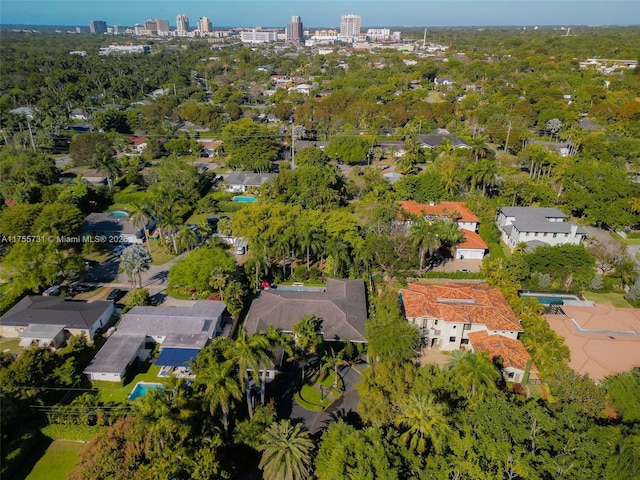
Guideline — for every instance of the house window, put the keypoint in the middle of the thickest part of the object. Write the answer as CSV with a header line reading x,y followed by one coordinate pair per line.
x,y
452,339
545,234
566,235
511,375
467,326
455,326
536,234
464,341
435,322
555,235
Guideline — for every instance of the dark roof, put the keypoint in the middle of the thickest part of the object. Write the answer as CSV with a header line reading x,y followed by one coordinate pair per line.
x,y
35,309
176,357
116,353
202,318
102,222
249,179
433,141
342,308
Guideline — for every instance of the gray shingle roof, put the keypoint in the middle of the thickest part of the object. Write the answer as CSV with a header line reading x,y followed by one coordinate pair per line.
x,y
116,353
530,219
248,179
204,317
35,309
433,141
342,308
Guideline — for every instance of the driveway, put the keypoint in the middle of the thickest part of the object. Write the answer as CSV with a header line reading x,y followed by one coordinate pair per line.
x,y
346,407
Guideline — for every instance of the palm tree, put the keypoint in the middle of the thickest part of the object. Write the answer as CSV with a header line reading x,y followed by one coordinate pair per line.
x,y
425,237
307,333
286,452
141,214
186,239
426,421
479,148
483,174
634,202
249,352
218,279
310,239
169,223
221,388
338,250
106,165
475,372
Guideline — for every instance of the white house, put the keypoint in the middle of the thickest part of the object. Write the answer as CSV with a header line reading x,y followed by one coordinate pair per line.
x,y
240,182
446,314
40,318
537,226
469,316
473,247
181,332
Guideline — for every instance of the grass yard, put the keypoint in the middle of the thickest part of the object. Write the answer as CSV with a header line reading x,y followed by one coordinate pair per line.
x,y
626,241
309,397
58,461
114,392
616,299
10,345
159,254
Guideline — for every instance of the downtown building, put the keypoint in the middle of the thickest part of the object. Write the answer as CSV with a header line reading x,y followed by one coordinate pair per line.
x,y
97,26
204,26
349,26
295,30
182,25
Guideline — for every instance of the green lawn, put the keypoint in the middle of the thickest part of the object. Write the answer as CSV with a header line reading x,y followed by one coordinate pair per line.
x,y
626,241
309,397
159,254
58,461
616,299
114,392
10,345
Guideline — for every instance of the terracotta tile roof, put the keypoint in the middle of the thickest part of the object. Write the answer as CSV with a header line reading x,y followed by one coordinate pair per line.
x,y
512,352
442,209
460,303
135,141
472,240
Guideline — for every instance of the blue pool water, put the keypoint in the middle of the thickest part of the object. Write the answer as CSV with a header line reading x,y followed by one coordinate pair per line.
x,y
552,299
142,388
245,199
119,214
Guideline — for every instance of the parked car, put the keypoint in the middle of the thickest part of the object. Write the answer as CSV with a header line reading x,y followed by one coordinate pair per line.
x,y
115,295
52,291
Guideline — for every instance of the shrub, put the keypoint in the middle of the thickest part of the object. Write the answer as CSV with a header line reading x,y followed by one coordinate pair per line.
x,y
633,295
596,284
299,272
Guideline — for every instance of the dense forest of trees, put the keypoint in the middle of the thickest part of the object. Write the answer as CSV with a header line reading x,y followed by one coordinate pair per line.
x,y
333,215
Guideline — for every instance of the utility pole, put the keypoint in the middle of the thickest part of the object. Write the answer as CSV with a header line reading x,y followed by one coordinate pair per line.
x,y
293,145
506,143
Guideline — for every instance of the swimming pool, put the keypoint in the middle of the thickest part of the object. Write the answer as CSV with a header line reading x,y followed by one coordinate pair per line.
x,y
118,214
142,388
547,298
244,199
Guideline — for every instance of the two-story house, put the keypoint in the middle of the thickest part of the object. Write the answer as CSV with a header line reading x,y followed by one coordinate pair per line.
x,y
468,316
473,247
537,226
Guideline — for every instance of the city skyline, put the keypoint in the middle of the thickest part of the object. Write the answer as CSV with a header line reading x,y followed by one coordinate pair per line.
x,y
327,13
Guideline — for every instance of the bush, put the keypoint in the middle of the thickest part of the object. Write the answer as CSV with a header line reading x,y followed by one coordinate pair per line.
x,y
633,295
299,273
633,234
596,284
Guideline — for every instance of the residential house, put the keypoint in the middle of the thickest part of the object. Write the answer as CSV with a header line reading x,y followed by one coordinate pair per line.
x,y
564,149
537,226
469,316
116,226
342,307
139,144
434,141
473,247
603,340
441,81
181,332
390,148
240,182
90,175
41,319
209,147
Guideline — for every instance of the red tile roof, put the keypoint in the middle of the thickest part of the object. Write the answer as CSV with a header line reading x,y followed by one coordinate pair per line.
x,y
135,141
512,352
460,303
472,240
442,209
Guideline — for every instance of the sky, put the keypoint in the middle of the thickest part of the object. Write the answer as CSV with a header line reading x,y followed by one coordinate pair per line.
x,y
325,13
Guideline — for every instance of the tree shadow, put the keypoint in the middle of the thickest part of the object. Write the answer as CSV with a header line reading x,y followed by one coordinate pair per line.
x,y
160,277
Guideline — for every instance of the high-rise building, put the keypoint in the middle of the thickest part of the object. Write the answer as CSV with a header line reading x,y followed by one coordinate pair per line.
x,y
204,25
294,30
182,24
350,25
162,26
97,26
